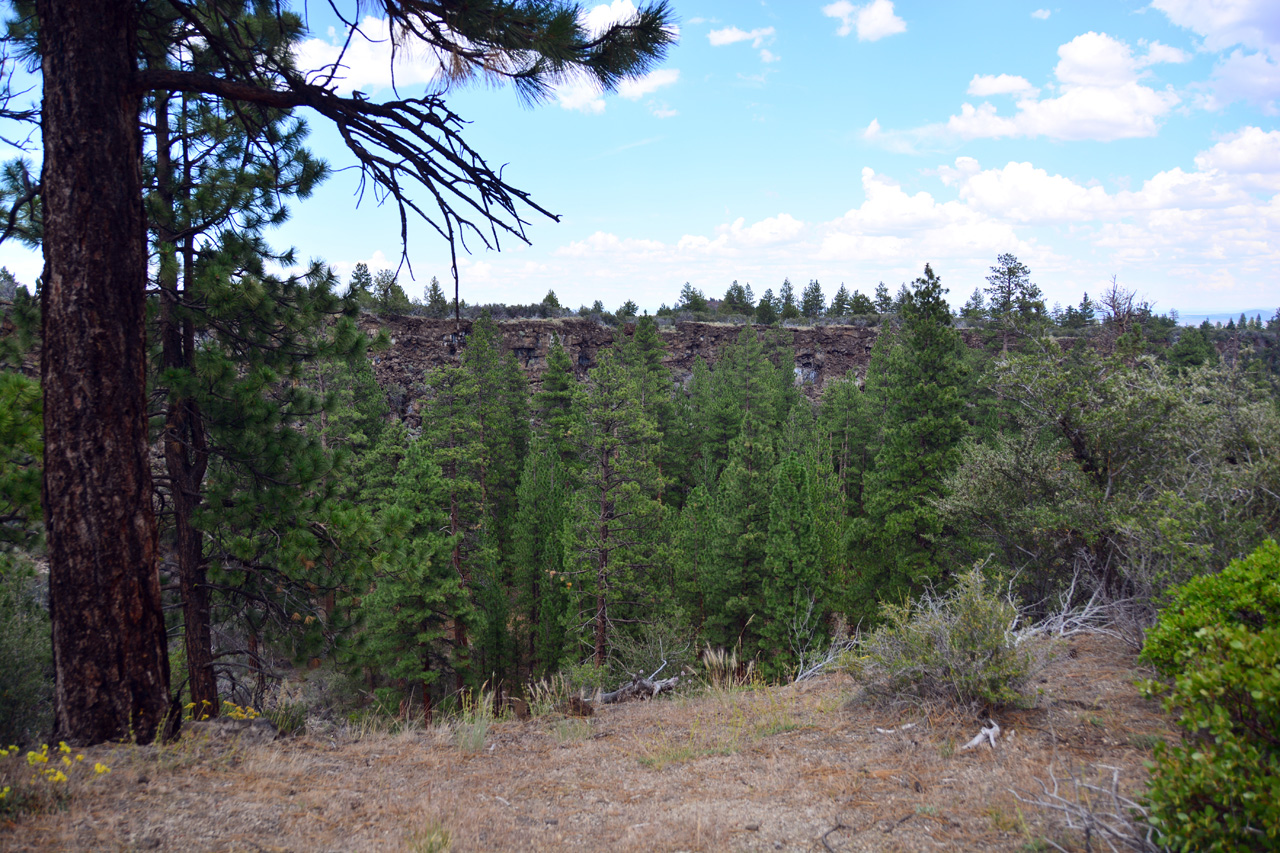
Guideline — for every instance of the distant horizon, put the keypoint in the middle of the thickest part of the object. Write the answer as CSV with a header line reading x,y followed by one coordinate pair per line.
x,y
853,142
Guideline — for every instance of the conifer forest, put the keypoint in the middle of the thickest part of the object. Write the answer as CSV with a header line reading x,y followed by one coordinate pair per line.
x,y
212,502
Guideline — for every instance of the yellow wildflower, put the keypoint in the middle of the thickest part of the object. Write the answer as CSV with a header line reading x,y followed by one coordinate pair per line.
x,y
101,768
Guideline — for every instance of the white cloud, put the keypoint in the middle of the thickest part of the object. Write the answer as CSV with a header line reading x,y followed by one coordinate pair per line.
x,y
1100,96
1158,53
600,18
1095,59
733,35
367,64
1202,233
767,55
1040,14
1226,23
602,244
873,21
1251,155
580,95
634,90
1251,74
1251,77
983,85
663,111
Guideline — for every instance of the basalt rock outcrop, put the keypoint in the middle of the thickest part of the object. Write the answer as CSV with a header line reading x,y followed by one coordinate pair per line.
x,y
419,344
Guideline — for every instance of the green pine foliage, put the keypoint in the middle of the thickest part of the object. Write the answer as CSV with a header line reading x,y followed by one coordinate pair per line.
x,y
736,582
615,517
542,586
793,605
415,599
900,538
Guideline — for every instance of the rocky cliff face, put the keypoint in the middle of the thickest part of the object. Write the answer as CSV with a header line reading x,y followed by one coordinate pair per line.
x,y
419,344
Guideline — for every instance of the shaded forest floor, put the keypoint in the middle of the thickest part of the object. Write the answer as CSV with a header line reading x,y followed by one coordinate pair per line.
x,y
799,768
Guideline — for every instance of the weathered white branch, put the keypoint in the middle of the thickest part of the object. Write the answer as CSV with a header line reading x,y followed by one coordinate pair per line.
x,y
988,733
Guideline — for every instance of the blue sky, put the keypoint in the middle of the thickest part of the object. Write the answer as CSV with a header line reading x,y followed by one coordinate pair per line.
x,y
854,142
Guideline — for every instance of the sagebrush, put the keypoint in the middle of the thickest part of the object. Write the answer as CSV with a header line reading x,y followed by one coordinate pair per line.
x,y
957,646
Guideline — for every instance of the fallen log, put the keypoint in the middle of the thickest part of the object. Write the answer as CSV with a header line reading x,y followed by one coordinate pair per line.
x,y
641,687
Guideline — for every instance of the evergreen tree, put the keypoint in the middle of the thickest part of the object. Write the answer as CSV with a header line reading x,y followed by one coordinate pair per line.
x,y
542,594
860,304
437,302
883,301
389,297
417,598
767,309
614,518
553,403
898,538
737,301
360,285
841,303
643,357
235,344
1015,304
694,566
691,299
813,303
451,428
793,601
975,310
628,309
551,302
734,587
787,308
1192,350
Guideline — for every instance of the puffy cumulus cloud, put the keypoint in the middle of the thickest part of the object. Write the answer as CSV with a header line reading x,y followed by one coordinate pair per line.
x,y
1187,224
984,85
767,232
1250,73
634,90
1252,153
733,35
872,21
1100,96
1184,231
368,63
1025,194
1095,59
891,226
1226,23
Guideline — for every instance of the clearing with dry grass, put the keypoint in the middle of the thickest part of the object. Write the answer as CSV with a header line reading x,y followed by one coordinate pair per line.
x,y
801,767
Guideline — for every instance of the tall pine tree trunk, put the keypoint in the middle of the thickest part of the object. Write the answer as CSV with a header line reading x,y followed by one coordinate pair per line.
x,y
186,452
109,647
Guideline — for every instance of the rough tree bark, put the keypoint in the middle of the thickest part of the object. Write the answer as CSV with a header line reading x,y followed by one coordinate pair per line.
x,y
109,648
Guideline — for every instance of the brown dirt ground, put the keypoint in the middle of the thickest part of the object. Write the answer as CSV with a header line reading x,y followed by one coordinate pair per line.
x,y
797,768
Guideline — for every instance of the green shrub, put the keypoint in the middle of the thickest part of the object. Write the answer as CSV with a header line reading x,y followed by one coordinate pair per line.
x,y
956,646
1220,789
1246,594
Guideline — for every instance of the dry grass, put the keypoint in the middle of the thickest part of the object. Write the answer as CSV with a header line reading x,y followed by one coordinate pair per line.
x,y
791,768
